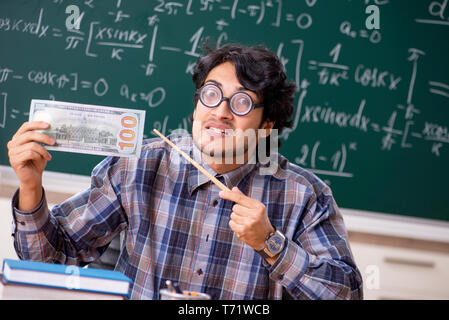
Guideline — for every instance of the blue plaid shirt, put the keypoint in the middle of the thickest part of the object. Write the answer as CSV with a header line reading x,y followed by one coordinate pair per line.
x,y
176,228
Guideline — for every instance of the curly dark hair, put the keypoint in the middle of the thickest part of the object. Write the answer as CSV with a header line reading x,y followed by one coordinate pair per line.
x,y
258,69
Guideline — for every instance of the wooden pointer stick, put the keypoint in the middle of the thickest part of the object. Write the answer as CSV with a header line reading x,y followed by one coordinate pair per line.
x,y
193,162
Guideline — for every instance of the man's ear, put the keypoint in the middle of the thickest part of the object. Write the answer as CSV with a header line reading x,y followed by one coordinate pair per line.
x,y
266,127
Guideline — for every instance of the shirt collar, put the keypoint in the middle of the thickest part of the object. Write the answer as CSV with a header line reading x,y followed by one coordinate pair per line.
x,y
231,179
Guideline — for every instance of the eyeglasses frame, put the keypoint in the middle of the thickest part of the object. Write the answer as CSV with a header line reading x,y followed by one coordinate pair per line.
x,y
223,98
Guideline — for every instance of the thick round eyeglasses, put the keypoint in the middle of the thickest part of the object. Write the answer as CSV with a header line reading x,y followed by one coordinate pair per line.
x,y
240,103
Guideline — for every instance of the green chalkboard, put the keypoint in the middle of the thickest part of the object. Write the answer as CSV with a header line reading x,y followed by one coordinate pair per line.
x,y
372,109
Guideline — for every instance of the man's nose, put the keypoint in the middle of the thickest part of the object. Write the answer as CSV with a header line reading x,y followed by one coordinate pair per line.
x,y
223,111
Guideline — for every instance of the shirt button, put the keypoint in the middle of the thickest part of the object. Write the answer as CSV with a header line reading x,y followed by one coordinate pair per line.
x,y
215,202
281,277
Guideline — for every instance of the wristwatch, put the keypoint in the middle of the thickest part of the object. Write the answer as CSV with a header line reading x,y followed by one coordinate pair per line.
x,y
274,244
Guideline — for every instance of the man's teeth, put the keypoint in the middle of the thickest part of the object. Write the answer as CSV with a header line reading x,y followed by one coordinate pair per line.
x,y
217,130
220,130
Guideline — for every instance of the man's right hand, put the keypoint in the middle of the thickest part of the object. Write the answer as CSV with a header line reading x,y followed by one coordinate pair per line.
x,y
28,159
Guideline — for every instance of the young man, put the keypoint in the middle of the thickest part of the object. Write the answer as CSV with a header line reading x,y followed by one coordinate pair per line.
x,y
272,236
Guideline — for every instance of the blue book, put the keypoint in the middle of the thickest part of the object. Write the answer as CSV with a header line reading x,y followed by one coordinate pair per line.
x,y
65,277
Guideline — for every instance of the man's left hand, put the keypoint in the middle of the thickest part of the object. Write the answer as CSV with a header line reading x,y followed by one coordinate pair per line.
x,y
249,219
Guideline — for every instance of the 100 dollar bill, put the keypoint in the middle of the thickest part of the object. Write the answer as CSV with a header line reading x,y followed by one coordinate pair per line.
x,y
84,128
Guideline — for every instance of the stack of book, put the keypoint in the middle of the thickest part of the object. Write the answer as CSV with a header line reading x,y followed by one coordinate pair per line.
x,y
29,280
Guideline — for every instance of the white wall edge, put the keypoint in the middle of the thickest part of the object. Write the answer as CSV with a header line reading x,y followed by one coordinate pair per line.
x,y
52,181
355,220
395,225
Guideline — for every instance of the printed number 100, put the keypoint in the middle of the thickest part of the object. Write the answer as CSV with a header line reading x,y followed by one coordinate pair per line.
x,y
127,135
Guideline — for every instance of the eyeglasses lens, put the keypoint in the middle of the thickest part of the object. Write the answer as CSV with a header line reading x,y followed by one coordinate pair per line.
x,y
240,102
210,96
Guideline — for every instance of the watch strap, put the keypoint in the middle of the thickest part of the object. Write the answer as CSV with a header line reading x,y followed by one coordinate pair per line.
x,y
263,254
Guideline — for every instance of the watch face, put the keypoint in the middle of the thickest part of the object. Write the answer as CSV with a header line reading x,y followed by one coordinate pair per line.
x,y
275,244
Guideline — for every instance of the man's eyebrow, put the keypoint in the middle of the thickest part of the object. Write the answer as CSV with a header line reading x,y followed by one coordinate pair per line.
x,y
215,82
221,86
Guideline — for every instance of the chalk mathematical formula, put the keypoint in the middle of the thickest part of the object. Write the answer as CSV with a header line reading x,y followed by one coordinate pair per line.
x,y
363,94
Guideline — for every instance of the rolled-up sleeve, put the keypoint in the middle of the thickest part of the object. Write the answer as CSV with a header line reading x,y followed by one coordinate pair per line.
x,y
78,230
317,262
